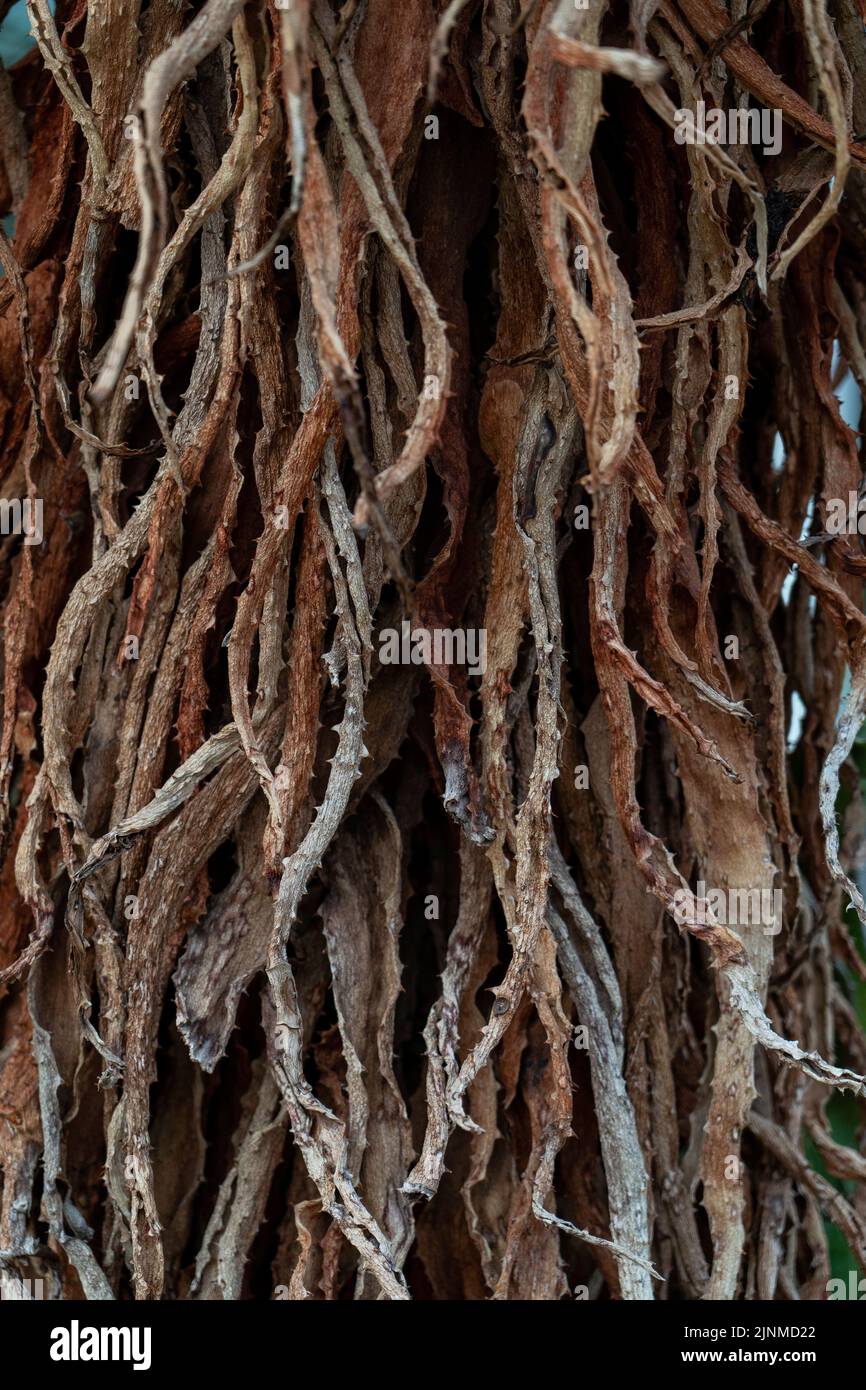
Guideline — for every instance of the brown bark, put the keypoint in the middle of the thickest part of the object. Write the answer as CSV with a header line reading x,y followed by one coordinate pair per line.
x,y
328,970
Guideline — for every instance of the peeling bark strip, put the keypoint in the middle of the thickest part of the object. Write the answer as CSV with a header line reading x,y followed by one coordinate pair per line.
x,y
326,973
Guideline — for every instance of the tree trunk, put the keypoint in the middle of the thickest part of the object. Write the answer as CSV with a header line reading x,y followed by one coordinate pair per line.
x,y
434,650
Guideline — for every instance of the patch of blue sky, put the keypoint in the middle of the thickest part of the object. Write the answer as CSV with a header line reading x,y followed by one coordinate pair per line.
x,y
15,35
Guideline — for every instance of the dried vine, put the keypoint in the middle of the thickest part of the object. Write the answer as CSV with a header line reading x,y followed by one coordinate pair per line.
x,y
326,333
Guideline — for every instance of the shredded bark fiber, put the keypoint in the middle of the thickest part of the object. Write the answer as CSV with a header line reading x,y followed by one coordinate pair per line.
x,y
322,328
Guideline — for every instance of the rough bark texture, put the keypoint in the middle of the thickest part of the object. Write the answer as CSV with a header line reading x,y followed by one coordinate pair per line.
x,y
331,976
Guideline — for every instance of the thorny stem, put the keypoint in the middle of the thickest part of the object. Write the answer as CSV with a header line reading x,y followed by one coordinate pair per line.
x,y
363,934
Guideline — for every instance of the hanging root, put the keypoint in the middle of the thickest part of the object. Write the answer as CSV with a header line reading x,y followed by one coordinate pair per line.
x,y
433,662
